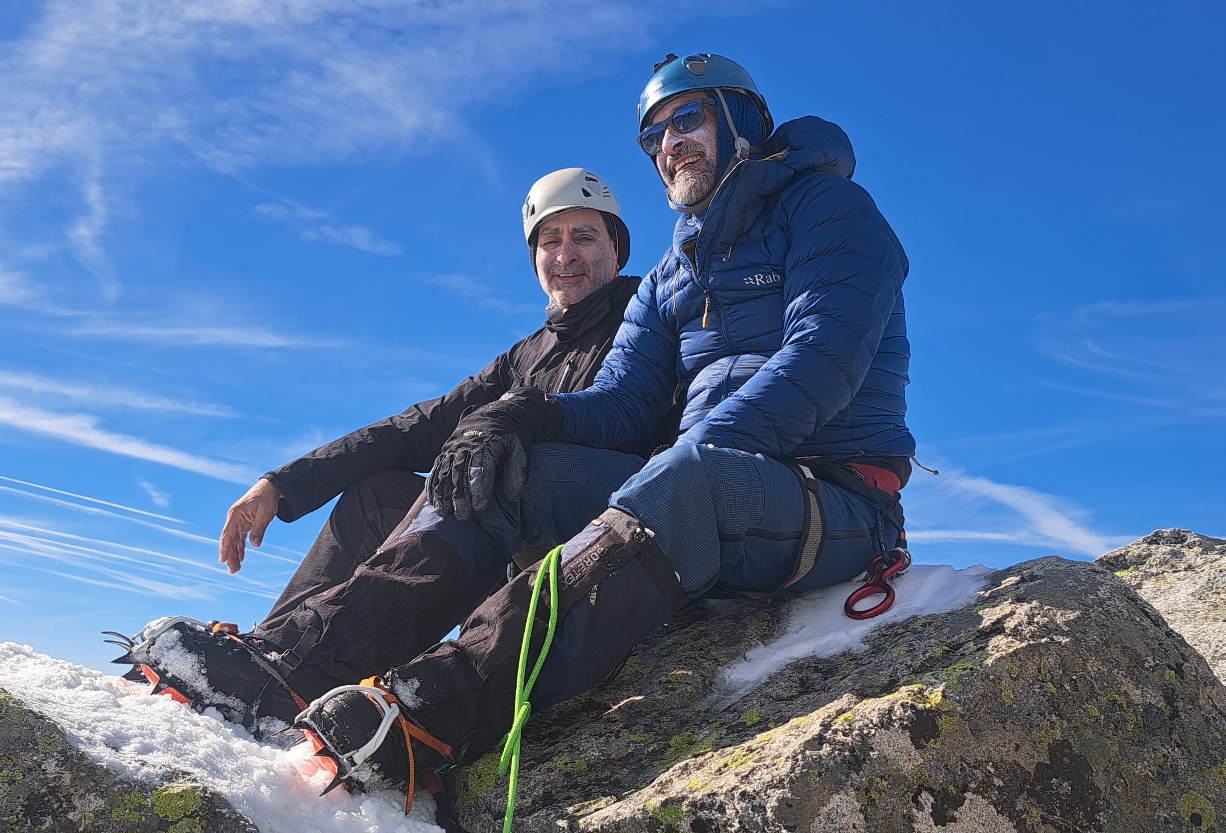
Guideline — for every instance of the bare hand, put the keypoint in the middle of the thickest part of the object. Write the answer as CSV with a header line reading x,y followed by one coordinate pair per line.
x,y
251,514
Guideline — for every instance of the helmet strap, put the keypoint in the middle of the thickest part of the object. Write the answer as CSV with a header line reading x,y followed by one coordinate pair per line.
x,y
741,151
740,145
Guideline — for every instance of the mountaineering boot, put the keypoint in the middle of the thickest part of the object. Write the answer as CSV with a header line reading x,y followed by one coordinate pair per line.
x,y
615,587
365,737
212,666
401,600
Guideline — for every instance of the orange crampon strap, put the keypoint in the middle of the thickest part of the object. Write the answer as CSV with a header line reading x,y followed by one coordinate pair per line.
x,y
231,630
410,731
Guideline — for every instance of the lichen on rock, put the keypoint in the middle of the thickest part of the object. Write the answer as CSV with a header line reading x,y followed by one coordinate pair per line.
x,y
1058,701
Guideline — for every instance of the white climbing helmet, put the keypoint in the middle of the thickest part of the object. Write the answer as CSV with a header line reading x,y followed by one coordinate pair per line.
x,y
566,190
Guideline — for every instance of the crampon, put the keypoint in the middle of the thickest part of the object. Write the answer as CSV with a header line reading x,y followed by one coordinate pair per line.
x,y
363,738
210,665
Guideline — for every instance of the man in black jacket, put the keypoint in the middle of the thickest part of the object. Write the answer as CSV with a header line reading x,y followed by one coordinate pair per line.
x,y
343,616
375,469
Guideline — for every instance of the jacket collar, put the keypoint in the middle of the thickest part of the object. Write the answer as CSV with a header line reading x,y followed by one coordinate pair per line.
x,y
579,317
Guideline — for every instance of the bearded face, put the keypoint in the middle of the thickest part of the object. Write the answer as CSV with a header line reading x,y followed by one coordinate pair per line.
x,y
687,161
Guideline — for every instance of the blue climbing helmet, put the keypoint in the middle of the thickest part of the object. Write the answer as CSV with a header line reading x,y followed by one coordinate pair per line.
x,y
703,71
744,121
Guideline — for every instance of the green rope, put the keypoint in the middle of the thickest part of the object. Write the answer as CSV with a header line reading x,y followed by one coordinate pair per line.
x,y
550,566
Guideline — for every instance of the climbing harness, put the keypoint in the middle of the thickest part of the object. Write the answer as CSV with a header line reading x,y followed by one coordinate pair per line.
x,y
881,570
549,569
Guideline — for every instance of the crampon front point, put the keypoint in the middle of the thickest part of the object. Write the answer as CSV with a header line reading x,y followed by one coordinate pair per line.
x,y
211,665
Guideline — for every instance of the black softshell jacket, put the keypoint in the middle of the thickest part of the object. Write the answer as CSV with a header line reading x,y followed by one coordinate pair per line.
x,y
561,357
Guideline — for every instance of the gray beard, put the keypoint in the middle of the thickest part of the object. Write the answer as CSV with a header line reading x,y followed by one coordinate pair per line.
x,y
692,187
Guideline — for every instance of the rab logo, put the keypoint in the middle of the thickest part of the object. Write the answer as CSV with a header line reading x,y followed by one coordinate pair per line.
x,y
763,280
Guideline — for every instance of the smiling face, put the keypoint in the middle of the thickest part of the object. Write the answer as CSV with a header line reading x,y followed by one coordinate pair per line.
x,y
574,255
687,161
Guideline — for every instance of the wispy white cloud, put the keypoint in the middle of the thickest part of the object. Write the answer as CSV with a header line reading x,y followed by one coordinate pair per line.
x,y
242,337
83,430
33,489
127,567
958,507
17,290
84,238
302,82
319,226
93,506
105,396
290,211
1158,356
464,286
355,236
159,497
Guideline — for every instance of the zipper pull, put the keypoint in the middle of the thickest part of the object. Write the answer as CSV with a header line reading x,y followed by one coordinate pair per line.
x,y
706,312
567,370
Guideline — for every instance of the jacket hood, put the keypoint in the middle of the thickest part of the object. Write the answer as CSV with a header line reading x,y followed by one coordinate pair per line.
x,y
812,144
807,145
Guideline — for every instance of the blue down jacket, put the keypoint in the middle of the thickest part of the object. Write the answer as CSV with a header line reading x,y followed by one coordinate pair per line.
x,y
784,330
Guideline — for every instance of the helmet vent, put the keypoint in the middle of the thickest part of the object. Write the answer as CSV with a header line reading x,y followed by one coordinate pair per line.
x,y
696,64
668,59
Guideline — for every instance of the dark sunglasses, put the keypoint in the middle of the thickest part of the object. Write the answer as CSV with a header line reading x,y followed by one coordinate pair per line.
x,y
685,119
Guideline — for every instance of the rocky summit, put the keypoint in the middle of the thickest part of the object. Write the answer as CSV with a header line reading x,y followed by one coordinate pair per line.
x,y
1183,575
1058,702
1064,699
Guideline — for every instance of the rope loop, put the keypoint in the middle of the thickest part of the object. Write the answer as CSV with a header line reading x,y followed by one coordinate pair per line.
x,y
547,575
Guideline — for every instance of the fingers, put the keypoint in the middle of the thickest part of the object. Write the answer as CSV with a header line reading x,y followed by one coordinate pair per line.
x,y
232,545
462,481
234,538
482,469
438,485
258,528
251,514
515,471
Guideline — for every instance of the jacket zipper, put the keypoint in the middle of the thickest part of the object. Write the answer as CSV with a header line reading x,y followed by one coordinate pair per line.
x,y
706,256
567,370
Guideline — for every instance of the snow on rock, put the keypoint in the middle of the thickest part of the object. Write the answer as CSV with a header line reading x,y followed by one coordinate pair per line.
x,y
120,726
817,626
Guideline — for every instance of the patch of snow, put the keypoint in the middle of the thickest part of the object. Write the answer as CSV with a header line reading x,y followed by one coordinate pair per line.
x,y
817,627
406,692
119,725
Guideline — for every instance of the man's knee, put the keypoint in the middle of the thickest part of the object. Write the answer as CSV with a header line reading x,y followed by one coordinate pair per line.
x,y
376,502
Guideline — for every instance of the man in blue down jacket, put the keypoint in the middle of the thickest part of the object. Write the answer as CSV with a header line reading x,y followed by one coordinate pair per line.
x,y
777,318
777,315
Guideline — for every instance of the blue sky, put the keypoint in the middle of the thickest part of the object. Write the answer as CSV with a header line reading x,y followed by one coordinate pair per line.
x,y
232,231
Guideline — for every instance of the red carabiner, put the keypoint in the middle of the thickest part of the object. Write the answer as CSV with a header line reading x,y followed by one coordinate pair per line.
x,y
881,570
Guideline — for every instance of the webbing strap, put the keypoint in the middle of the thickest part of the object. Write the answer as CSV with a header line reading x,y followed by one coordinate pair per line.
x,y
811,546
292,658
263,663
411,732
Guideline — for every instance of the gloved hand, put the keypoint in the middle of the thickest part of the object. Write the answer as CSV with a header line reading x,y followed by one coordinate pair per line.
x,y
492,439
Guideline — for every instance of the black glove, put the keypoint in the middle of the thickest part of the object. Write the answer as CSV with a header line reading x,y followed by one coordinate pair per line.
x,y
495,437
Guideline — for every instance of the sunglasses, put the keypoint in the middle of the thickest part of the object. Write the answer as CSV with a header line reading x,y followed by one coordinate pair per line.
x,y
685,119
